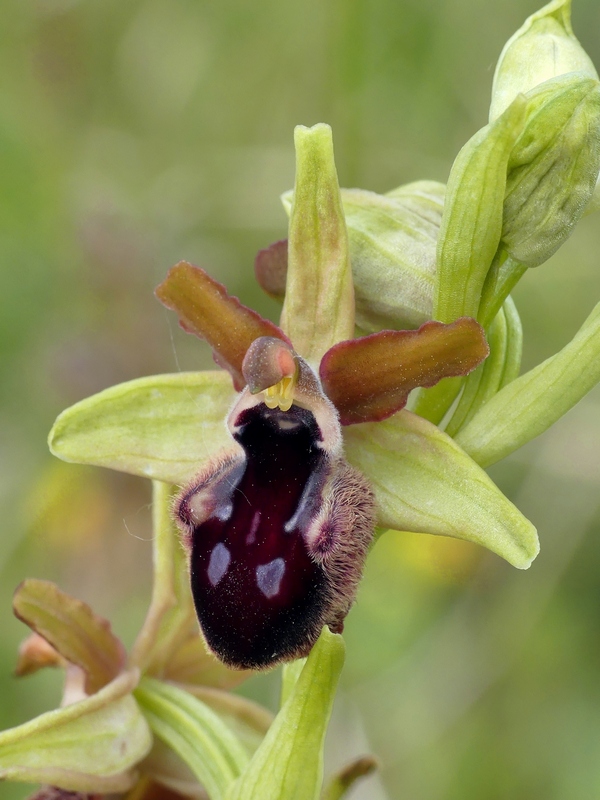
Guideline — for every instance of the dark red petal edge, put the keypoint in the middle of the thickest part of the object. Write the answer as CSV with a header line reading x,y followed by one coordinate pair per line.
x,y
368,379
270,268
207,310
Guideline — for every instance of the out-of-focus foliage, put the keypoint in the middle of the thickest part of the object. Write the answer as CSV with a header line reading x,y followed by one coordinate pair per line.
x,y
133,135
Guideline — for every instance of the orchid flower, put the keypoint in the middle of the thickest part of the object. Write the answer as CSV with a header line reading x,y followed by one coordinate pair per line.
x,y
279,505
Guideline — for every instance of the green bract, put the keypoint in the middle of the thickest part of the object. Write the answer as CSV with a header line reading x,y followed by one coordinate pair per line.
x,y
289,762
553,167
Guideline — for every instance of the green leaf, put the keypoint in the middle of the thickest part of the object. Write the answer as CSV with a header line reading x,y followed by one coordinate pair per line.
x,y
424,482
71,627
163,427
536,400
289,762
195,733
318,310
543,48
89,746
472,219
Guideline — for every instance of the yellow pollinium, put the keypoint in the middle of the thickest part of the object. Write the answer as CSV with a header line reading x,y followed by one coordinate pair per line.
x,y
281,394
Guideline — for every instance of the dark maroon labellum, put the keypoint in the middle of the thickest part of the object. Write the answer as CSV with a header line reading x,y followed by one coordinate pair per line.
x,y
277,535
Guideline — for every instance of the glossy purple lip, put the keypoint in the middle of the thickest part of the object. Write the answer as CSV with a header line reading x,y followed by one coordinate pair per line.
x,y
256,588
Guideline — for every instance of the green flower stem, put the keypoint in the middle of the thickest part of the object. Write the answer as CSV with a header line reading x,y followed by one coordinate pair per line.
x,y
497,288
533,402
484,382
166,561
514,343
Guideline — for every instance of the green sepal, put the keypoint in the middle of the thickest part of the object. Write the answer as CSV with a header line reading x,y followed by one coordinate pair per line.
x,y
472,219
90,746
543,48
198,735
318,310
424,482
536,400
289,762
393,239
553,168
162,427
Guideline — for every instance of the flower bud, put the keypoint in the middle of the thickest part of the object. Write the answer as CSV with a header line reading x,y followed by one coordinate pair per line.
x,y
553,167
393,239
543,48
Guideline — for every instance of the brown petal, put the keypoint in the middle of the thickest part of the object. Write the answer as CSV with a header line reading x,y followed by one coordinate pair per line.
x,y
369,379
72,628
207,310
34,654
270,268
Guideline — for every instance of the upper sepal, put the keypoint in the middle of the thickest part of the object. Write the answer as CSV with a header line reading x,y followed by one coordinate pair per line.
x,y
207,310
370,378
318,310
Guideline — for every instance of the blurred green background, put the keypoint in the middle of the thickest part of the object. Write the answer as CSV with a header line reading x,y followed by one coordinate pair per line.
x,y
134,134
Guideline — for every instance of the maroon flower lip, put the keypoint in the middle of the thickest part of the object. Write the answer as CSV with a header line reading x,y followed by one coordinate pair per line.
x,y
277,528
257,589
